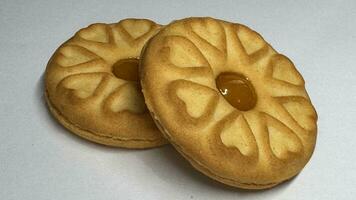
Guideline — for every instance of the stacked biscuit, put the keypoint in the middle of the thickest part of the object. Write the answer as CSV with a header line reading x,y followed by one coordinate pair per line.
x,y
234,107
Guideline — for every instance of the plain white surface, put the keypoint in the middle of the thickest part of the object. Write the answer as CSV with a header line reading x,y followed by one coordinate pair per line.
x,y
41,160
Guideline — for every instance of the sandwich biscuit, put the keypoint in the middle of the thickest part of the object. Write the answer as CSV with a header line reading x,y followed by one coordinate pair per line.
x,y
92,85
234,107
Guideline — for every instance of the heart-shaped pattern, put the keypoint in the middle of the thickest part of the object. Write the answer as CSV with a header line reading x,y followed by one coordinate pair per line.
x,y
119,99
196,98
210,31
71,55
136,28
242,148
284,70
238,134
250,40
282,140
183,53
95,33
301,111
81,85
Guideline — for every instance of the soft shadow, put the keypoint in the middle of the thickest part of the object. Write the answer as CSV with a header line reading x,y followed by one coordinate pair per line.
x,y
169,161
48,118
163,161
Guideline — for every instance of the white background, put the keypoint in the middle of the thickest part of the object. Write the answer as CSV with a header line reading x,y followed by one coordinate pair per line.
x,y
41,160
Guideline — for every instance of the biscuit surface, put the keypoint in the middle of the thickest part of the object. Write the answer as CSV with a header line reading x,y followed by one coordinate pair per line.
x,y
86,94
253,148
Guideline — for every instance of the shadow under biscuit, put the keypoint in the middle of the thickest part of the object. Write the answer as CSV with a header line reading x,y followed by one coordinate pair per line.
x,y
43,108
164,161
172,168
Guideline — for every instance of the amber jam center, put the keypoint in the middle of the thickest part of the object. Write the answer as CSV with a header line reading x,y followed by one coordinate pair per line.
x,y
126,69
237,90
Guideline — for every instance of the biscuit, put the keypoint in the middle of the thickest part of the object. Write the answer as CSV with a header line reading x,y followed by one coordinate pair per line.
x,y
92,88
234,107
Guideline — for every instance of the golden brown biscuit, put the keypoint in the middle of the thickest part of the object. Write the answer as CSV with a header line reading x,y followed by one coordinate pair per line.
x,y
92,87
230,104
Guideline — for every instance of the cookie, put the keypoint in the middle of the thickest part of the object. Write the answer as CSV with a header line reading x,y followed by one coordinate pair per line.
x,y
234,107
92,85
